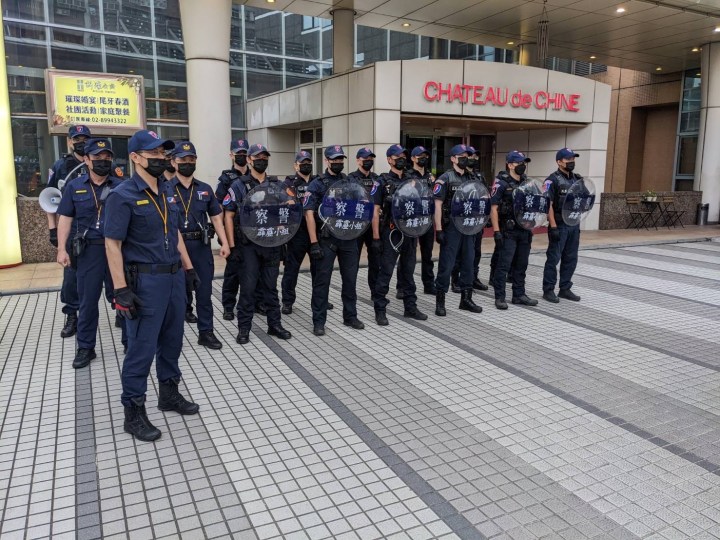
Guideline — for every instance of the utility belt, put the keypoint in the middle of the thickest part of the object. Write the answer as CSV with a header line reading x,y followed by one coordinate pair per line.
x,y
507,223
197,235
79,243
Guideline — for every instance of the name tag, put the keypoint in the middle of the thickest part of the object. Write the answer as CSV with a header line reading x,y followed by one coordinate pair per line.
x,y
142,201
81,191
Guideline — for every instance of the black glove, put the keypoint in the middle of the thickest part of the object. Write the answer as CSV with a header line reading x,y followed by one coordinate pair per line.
x,y
376,246
316,252
192,279
499,240
440,237
53,237
235,255
126,303
554,234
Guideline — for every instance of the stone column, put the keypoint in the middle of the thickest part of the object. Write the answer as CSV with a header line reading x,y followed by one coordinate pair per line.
x,y
707,163
343,39
206,36
528,55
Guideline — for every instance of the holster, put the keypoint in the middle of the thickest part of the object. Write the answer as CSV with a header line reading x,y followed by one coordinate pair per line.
x,y
131,276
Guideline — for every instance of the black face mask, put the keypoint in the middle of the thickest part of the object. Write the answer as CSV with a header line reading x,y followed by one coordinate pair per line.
x,y
305,169
472,163
101,167
79,148
367,164
570,166
186,169
169,168
520,169
155,166
462,163
336,168
422,162
260,165
400,163
241,160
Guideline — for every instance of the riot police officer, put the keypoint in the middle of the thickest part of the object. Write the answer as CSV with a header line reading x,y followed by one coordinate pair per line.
x,y
198,202
231,276
324,248
81,225
388,242
511,240
451,240
66,168
146,255
563,239
260,265
365,176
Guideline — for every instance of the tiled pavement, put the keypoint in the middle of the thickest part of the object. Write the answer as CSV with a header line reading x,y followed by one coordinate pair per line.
x,y
592,420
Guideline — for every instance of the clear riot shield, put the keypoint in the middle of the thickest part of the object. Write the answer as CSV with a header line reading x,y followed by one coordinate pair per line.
x,y
346,210
412,208
270,214
470,207
578,201
530,204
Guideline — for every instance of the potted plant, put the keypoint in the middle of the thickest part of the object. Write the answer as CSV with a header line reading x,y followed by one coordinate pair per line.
x,y
650,196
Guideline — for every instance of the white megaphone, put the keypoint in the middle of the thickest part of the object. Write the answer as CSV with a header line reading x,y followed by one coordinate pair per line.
x,y
49,199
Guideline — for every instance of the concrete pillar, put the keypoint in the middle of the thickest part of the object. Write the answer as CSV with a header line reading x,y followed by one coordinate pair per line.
x,y
528,55
435,49
707,163
206,36
343,39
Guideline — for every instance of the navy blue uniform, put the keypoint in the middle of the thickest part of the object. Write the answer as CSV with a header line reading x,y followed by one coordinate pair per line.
x,y
426,241
517,241
196,204
83,202
564,250
260,266
456,243
346,252
381,195
367,181
231,277
477,251
152,262
298,246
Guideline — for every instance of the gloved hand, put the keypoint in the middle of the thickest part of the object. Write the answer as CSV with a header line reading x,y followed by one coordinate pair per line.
x,y
53,237
192,279
554,234
126,303
376,246
316,252
499,240
235,255
440,237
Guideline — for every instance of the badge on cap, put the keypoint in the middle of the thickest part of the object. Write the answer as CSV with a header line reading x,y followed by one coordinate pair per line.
x,y
153,134
186,147
101,144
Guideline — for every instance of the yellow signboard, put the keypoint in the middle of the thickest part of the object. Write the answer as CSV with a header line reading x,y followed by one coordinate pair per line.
x,y
107,103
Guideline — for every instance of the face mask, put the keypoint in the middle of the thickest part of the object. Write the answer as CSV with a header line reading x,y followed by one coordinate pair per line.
x,y
186,169
305,169
570,166
400,163
462,163
367,164
422,162
169,168
472,163
241,160
101,167
260,165
336,168
79,148
155,166
520,169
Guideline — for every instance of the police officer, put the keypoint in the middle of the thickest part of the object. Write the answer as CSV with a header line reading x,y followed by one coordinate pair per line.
x,y
511,240
231,277
197,203
69,166
563,239
81,225
452,241
365,176
260,265
146,256
388,242
324,248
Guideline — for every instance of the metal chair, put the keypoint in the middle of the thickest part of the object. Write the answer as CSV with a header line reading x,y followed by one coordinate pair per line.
x,y
638,215
672,215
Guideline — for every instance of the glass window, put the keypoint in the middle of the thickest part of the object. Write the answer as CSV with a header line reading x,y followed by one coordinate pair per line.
x,y
263,31
300,41
264,75
371,45
462,51
237,91
131,47
27,93
690,122
403,46
327,42
236,41
167,20
424,47
34,151
76,50
127,17
172,90
32,10
687,151
438,48
25,45
486,54
77,13
306,136
298,72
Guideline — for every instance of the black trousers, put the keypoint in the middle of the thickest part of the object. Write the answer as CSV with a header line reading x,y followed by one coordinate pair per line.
x,y
476,259
405,258
231,284
373,261
259,271
346,252
514,253
297,248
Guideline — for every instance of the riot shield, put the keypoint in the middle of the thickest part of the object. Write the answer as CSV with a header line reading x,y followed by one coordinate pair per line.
x,y
530,204
470,207
270,214
346,210
412,208
578,201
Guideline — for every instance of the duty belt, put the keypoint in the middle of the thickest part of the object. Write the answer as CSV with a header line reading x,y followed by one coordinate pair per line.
x,y
155,268
192,235
95,241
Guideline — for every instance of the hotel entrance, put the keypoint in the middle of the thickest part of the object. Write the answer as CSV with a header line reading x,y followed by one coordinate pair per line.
x,y
440,145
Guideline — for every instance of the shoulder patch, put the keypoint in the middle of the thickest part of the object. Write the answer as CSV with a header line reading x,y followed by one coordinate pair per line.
x,y
119,172
437,187
374,188
547,185
495,187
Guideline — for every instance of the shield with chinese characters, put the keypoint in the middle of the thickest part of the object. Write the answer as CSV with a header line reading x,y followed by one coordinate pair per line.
x,y
412,208
578,202
530,204
470,207
270,214
346,210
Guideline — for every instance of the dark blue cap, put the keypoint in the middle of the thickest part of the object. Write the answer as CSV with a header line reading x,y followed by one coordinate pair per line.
x,y
515,156
471,151
239,145
95,146
148,140
459,149
256,149
78,131
184,148
334,151
365,153
565,153
303,155
395,150
419,150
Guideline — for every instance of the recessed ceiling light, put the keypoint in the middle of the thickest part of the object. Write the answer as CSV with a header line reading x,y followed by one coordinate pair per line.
x,y
270,1
695,49
130,71
697,75
511,43
717,29
620,10
593,57
406,24
658,68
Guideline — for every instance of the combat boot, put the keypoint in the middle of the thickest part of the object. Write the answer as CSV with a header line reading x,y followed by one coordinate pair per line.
x,y
70,328
170,399
440,304
567,294
467,304
208,339
137,422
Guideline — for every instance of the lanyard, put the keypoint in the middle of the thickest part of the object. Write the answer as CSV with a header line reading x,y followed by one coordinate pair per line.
x,y
164,216
186,207
98,207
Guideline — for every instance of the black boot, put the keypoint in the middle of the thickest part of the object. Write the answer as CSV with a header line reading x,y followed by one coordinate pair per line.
x,y
279,332
171,399
228,314
83,357
70,327
243,337
137,422
381,318
454,287
190,317
440,304
208,339
286,309
467,304
479,285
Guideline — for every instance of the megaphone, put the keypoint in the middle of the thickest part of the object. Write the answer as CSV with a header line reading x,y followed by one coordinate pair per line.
x,y
49,199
